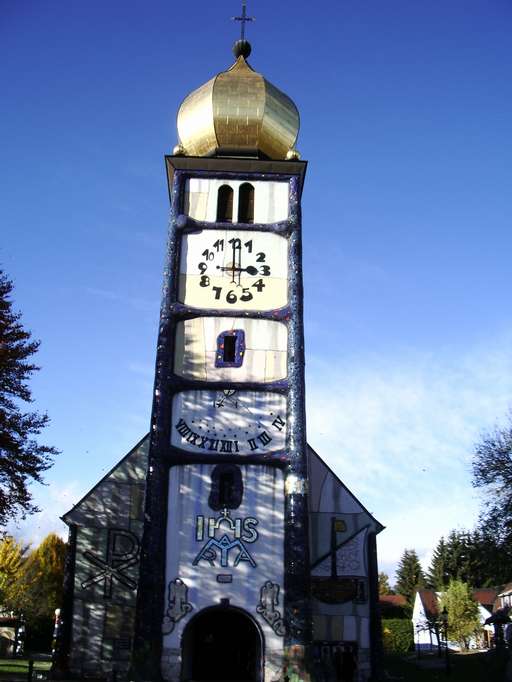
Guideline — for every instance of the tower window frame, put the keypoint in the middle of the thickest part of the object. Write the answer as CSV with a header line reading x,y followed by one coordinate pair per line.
x,y
246,203
230,348
225,200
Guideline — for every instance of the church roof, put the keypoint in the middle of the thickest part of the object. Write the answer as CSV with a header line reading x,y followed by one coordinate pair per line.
x,y
238,113
329,494
325,488
97,503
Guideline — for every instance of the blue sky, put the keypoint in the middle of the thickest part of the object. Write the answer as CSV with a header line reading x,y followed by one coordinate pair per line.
x,y
405,121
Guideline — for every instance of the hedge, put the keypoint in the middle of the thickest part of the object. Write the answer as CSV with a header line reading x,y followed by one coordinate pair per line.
x,y
397,635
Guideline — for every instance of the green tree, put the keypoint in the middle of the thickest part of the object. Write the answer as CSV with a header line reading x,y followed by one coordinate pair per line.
x,y
39,589
384,586
462,609
410,576
22,458
492,473
12,555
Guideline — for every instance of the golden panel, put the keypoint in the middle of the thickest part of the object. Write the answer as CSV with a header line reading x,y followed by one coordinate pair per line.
x,y
195,121
238,106
280,126
238,110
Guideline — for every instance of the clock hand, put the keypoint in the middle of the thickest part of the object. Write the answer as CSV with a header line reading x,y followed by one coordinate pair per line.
x,y
250,269
239,262
234,261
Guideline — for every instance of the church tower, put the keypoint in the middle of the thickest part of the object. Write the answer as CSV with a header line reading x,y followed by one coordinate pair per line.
x,y
224,575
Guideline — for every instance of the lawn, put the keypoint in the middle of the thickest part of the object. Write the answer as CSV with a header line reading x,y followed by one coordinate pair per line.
x,y
17,668
472,667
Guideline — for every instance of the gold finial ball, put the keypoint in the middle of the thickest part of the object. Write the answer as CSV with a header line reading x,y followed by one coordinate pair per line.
x,y
292,155
179,150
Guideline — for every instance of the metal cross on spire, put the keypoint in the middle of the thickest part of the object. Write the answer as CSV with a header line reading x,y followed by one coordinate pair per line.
x,y
243,19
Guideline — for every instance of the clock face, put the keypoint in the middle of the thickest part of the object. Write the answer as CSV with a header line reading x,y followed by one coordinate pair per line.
x,y
234,270
229,422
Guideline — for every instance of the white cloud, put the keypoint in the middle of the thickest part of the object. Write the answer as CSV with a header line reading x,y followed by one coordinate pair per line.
x,y
54,500
136,302
400,433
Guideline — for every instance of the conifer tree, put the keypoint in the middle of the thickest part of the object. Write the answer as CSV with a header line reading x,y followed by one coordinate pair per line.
x,y
22,459
437,575
410,576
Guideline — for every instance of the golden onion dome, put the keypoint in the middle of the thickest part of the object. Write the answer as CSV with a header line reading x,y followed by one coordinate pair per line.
x,y
238,113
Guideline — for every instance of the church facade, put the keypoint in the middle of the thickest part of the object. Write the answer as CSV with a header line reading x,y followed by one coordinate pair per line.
x,y
222,547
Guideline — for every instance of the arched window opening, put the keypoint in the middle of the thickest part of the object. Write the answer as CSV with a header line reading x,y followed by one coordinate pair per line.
x,y
225,204
227,488
246,203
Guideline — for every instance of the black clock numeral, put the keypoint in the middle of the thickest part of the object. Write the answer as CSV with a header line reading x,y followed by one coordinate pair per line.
x,y
231,297
219,245
279,423
264,438
217,292
202,267
246,296
260,257
264,270
235,243
204,281
259,285
248,245
208,255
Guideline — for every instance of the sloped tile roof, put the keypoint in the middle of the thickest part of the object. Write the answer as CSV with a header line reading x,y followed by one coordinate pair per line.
x,y
429,601
393,599
485,596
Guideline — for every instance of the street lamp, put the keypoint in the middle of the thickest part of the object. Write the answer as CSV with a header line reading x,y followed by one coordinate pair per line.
x,y
444,624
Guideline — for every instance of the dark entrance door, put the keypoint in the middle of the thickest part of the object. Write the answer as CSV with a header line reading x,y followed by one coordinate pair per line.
x,y
221,644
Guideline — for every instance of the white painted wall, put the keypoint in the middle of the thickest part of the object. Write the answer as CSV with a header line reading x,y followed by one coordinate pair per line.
x,y
270,199
263,499
266,345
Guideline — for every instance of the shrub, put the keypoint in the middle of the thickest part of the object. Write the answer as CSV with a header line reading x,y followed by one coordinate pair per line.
x,y
397,635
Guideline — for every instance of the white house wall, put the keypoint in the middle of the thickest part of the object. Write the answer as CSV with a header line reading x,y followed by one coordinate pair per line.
x,y
188,520
270,199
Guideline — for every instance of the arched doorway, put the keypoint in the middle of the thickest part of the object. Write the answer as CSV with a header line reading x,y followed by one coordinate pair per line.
x,y
221,643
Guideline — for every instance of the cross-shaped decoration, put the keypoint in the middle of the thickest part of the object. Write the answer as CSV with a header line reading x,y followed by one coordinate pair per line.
x,y
243,20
